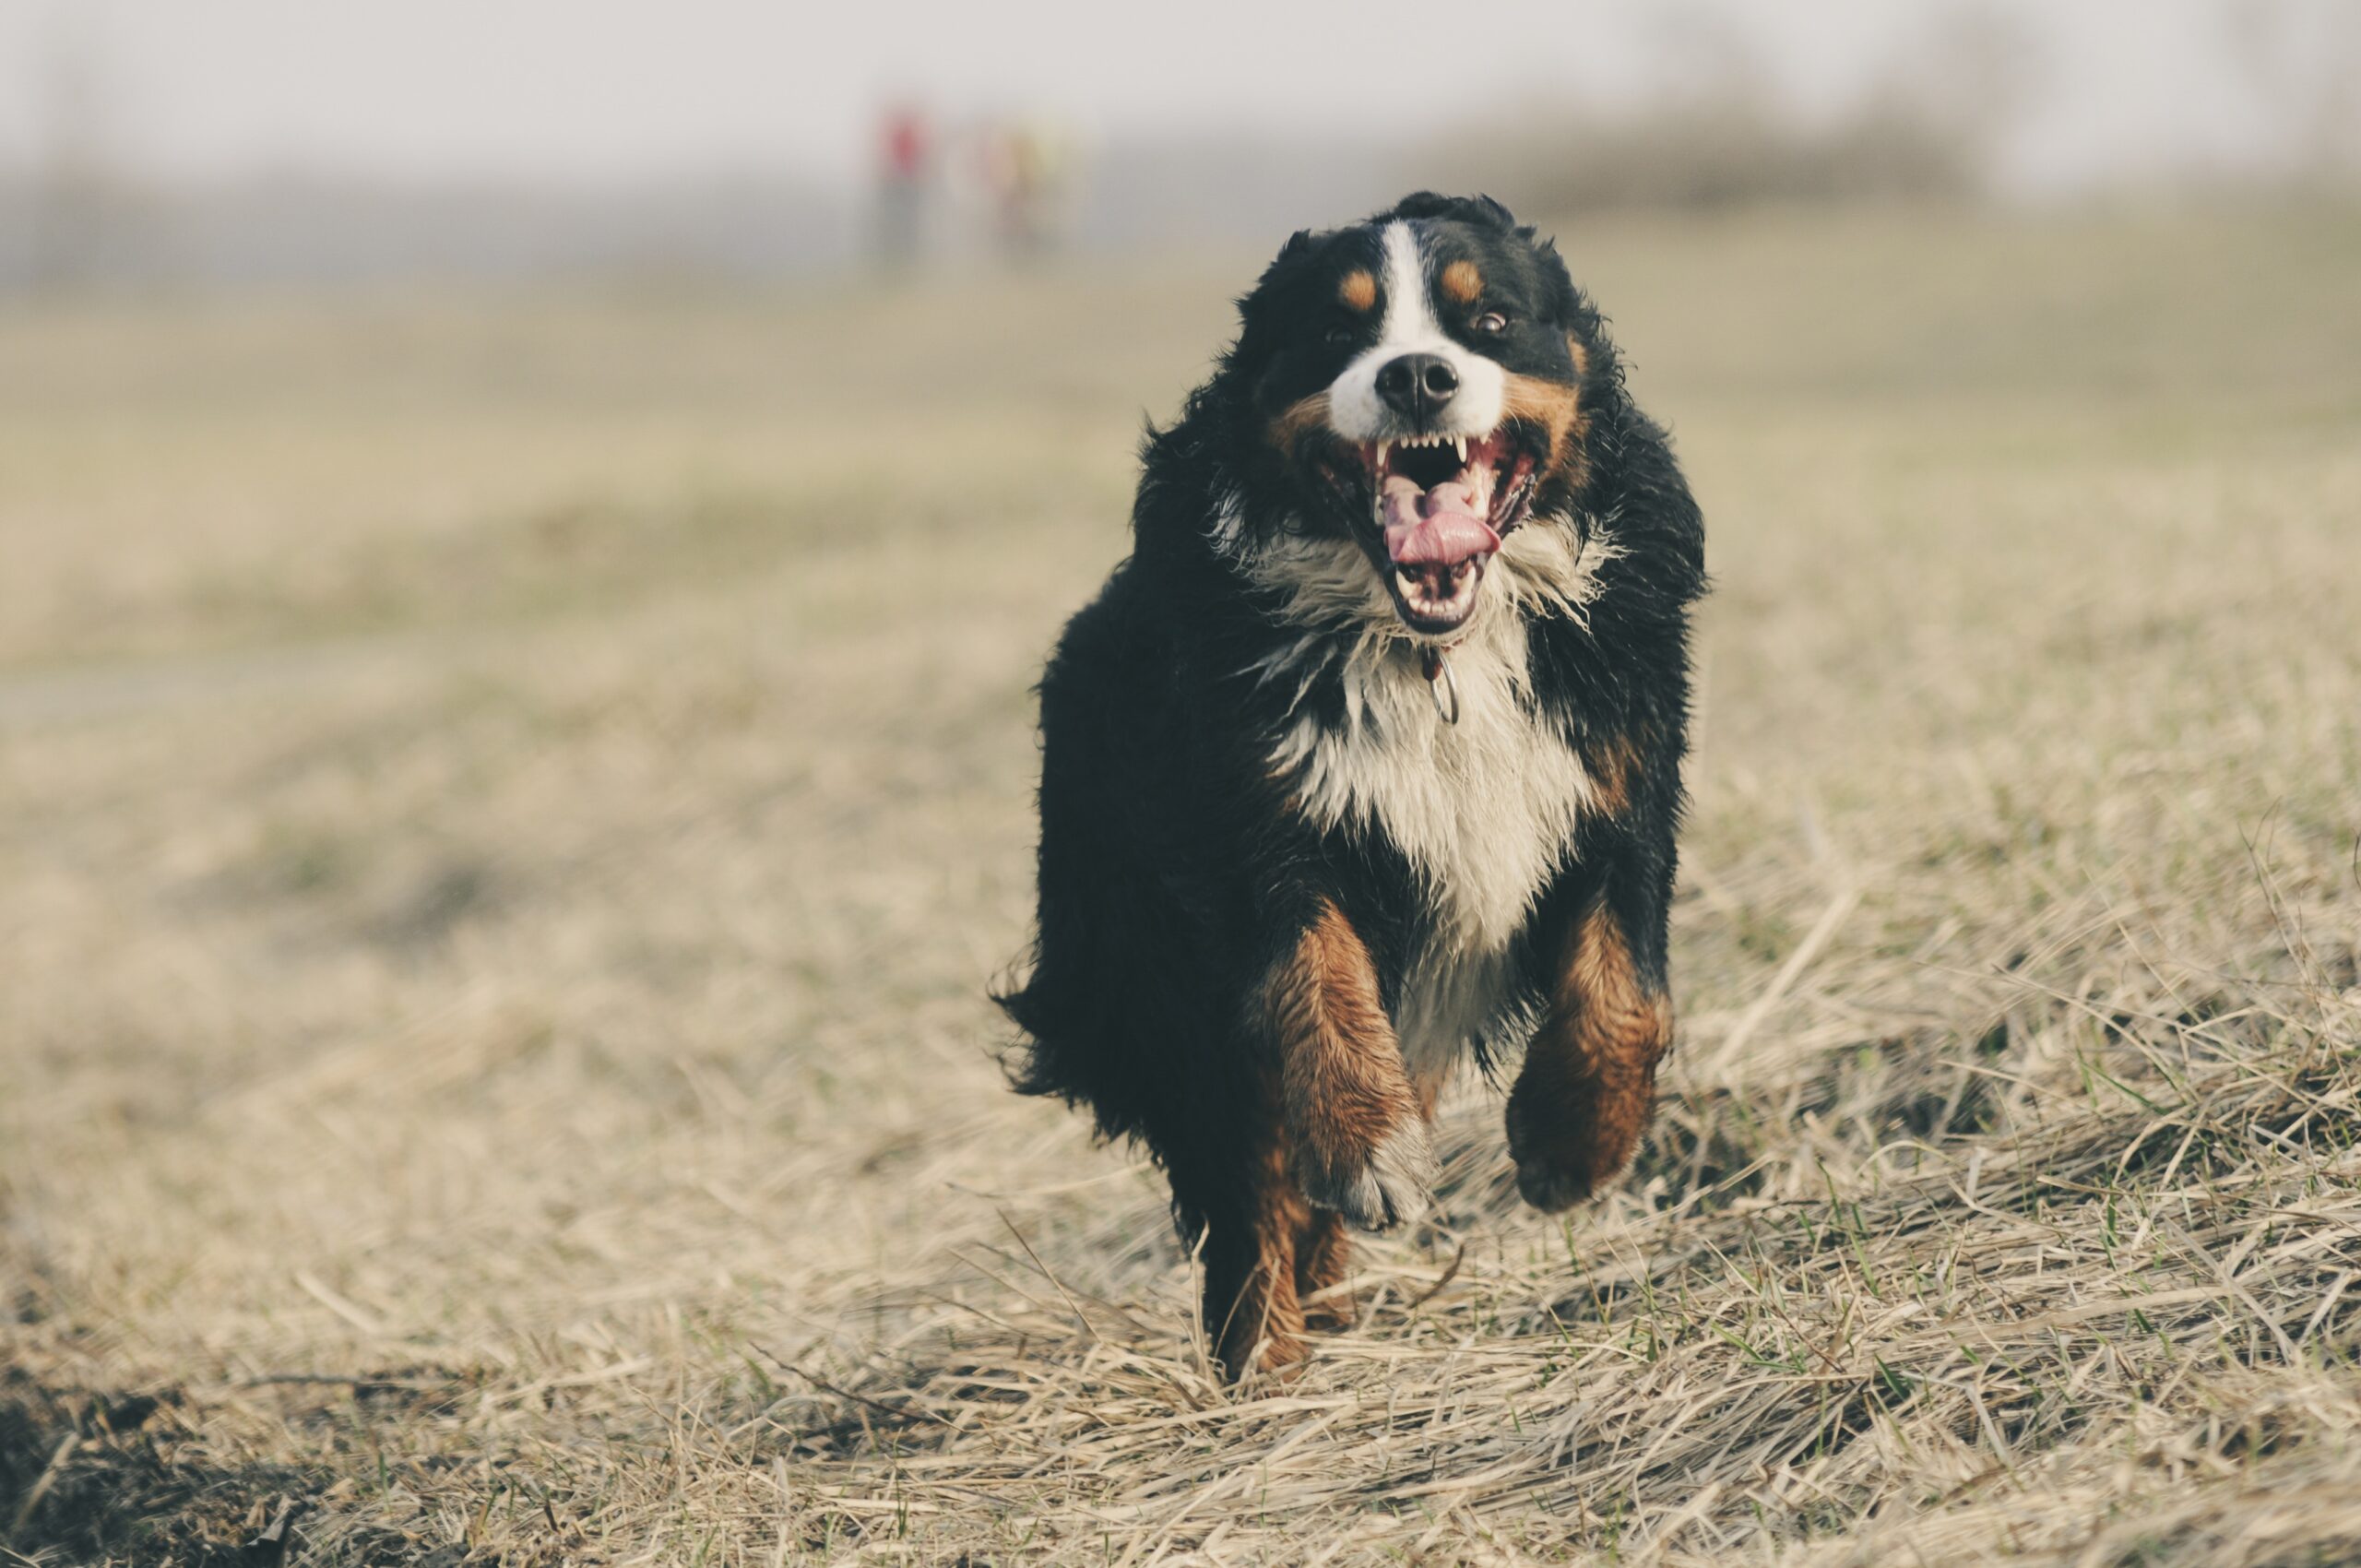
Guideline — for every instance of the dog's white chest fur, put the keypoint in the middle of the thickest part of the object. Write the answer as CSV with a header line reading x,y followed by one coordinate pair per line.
x,y
1484,810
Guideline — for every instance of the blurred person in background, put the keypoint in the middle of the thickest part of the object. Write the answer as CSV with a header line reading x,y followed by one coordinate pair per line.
x,y
1026,169
904,149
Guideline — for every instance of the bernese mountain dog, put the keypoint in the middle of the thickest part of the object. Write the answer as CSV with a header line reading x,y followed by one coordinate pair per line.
x,y
1367,761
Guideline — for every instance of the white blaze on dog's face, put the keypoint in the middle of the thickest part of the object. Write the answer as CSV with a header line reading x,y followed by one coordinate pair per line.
x,y
1410,327
1421,378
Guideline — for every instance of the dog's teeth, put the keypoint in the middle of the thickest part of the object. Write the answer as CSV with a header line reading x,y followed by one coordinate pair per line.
x,y
1382,448
1460,441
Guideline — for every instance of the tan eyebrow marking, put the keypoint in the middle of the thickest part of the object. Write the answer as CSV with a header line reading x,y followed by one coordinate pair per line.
x,y
1358,291
1461,281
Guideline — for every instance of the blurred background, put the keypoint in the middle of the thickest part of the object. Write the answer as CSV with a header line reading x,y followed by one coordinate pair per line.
x,y
526,531
266,142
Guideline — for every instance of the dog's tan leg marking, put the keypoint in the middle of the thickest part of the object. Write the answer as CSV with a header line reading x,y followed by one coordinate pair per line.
x,y
1323,1261
1252,1314
1589,1080
1361,1140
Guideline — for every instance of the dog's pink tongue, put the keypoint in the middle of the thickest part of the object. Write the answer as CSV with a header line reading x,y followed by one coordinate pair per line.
x,y
1442,527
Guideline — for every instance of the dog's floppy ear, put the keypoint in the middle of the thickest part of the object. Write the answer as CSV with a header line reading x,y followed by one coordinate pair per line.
x,y
1257,308
1299,245
1566,301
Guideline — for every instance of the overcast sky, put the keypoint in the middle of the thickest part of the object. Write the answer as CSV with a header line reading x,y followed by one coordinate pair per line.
x,y
598,90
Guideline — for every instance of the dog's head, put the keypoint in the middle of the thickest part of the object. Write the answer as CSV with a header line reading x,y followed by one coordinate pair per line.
x,y
1415,383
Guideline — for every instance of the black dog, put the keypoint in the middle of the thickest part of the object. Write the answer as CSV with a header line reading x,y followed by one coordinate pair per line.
x,y
1369,759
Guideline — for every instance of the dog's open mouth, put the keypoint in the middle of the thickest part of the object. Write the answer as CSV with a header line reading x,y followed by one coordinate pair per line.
x,y
1443,503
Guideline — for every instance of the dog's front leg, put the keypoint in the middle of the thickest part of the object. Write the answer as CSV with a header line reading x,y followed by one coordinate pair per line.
x,y
1588,1083
1357,1125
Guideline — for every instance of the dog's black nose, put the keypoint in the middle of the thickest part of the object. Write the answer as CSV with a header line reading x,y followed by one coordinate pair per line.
x,y
1417,385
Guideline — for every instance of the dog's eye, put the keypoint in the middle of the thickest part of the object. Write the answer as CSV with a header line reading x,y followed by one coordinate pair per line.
x,y
1492,323
1340,336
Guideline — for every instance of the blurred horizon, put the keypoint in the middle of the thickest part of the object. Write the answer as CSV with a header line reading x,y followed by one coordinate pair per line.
x,y
520,762
261,142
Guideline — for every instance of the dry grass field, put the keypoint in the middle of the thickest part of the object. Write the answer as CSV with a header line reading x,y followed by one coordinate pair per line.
x,y
509,807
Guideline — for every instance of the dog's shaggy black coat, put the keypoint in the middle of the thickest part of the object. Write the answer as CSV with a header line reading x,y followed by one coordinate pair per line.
x,y
1223,969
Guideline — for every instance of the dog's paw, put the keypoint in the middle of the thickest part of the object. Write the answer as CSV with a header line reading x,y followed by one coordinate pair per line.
x,y
1391,1187
1553,1189
1554,1172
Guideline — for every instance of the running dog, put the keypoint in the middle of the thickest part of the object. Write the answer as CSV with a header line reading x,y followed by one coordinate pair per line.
x,y
1367,761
